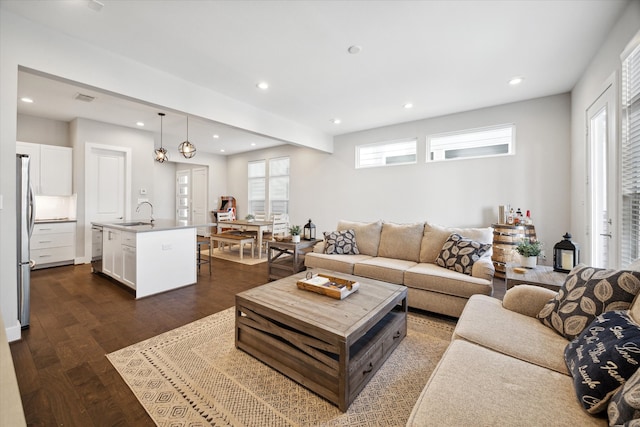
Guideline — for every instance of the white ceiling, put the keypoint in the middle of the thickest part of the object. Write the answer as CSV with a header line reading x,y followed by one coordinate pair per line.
x,y
442,56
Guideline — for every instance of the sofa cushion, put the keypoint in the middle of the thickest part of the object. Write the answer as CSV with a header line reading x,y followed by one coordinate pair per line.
x,y
386,269
367,235
586,293
401,241
435,236
459,253
430,277
485,322
475,386
339,263
340,243
625,403
603,358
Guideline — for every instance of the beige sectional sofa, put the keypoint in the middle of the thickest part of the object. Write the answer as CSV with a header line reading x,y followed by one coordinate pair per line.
x,y
505,367
405,254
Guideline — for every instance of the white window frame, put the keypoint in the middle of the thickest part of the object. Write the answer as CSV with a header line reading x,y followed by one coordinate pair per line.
x,y
268,183
386,149
470,139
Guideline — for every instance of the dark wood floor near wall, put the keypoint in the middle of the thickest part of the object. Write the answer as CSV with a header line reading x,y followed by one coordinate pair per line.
x,y
78,317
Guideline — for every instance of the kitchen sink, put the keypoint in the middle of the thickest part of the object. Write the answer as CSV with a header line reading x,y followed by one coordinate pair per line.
x,y
133,224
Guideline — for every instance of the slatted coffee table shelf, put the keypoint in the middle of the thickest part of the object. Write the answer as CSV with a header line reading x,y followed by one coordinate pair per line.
x,y
332,347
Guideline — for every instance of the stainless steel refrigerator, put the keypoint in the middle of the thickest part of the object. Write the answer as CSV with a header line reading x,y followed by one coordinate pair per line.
x,y
25,217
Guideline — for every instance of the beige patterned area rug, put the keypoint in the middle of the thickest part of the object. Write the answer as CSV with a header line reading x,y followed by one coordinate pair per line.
x,y
194,376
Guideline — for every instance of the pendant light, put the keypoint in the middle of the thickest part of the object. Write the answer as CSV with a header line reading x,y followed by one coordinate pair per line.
x,y
161,153
187,149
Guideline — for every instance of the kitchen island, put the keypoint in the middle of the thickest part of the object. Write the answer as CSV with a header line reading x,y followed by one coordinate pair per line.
x,y
149,257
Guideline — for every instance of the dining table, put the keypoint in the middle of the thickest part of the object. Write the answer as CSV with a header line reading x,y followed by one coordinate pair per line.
x,y
242,224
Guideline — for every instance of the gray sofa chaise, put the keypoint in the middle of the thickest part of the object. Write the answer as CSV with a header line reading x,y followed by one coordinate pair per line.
x,y
406,254
505,366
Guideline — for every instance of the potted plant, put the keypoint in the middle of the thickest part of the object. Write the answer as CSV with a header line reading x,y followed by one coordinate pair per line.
x,y
250,218
529,251
295,231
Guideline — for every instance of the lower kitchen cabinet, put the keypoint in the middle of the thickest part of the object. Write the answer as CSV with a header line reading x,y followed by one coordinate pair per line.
x,y
53,244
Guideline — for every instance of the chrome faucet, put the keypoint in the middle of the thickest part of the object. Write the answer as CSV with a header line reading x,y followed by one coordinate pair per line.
x,y
150,205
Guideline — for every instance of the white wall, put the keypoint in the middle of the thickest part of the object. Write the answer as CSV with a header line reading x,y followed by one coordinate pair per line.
x,y
43,131
327,188
587,90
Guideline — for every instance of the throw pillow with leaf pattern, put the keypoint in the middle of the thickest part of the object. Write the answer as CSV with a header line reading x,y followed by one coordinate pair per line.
x,y
586,293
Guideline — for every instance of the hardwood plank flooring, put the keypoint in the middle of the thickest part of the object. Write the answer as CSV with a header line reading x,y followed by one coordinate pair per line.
x,y
77,317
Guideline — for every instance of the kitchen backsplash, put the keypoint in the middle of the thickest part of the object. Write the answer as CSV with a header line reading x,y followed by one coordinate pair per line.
x,y
56,207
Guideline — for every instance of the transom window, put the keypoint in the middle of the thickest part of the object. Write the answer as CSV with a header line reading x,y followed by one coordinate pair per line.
x,y
399,152
473,143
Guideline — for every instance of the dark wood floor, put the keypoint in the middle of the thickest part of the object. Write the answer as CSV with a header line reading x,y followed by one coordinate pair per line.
x,y
78,317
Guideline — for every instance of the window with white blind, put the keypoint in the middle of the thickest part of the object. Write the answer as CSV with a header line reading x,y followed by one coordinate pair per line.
x,y
400,152
276,186
257,186
630,152
279,185
484,142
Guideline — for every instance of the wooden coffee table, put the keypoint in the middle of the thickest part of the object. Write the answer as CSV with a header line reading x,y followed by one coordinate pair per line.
x,y
332,347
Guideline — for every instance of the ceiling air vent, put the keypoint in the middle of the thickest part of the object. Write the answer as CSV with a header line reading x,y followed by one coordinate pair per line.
x,y
83,97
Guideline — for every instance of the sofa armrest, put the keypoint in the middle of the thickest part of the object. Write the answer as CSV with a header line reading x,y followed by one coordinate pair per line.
x,y
319,247
527,299
483,269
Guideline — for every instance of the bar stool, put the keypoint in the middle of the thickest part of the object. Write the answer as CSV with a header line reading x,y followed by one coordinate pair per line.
x,y
202,260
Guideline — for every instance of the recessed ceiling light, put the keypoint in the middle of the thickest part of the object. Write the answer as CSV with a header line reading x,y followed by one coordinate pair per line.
x,y
408,105
355,49
141,124
216,136
263,85
516,81
27,100
253,144
222,150
336,121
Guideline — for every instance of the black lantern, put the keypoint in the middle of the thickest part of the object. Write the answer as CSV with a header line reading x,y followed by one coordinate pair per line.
x,y
309,232
566,254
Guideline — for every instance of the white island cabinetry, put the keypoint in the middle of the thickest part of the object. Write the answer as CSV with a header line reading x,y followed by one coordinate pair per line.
x,y
150,258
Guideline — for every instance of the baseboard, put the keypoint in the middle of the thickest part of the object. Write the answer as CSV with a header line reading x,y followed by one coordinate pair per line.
x,y
14,333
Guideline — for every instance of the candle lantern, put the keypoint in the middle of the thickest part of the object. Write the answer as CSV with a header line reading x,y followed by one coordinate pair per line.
x,y
566,254
309,232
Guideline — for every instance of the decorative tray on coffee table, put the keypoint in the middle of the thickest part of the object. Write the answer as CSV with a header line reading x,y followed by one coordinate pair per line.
x,y
330,286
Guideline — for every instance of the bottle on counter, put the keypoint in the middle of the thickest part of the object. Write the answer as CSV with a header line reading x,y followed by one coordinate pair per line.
x,y
527,219
510,217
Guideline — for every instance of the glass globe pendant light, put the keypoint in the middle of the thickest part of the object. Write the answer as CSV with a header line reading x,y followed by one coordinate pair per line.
x,y
187,149
161,153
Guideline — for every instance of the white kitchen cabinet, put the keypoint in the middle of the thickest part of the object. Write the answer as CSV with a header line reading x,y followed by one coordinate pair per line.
x,y
53,244
112,253
155,259
51,168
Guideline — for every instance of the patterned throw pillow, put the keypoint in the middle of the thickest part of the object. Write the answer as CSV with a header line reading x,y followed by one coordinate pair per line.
x,y
625,404
340,243
586,293
603,358
459,253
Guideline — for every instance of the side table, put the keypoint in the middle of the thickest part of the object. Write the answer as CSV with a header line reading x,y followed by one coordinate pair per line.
x,y
285,257
542,275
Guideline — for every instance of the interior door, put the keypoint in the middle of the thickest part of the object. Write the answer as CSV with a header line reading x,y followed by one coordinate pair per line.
x,y
183,196
107,175
602,172
199,199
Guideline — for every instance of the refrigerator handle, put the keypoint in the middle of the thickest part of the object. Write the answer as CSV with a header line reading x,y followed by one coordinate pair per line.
x,y
32,210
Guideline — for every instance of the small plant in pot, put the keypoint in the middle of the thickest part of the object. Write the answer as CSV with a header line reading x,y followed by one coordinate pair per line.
x,y
529,251
250,218
295,231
